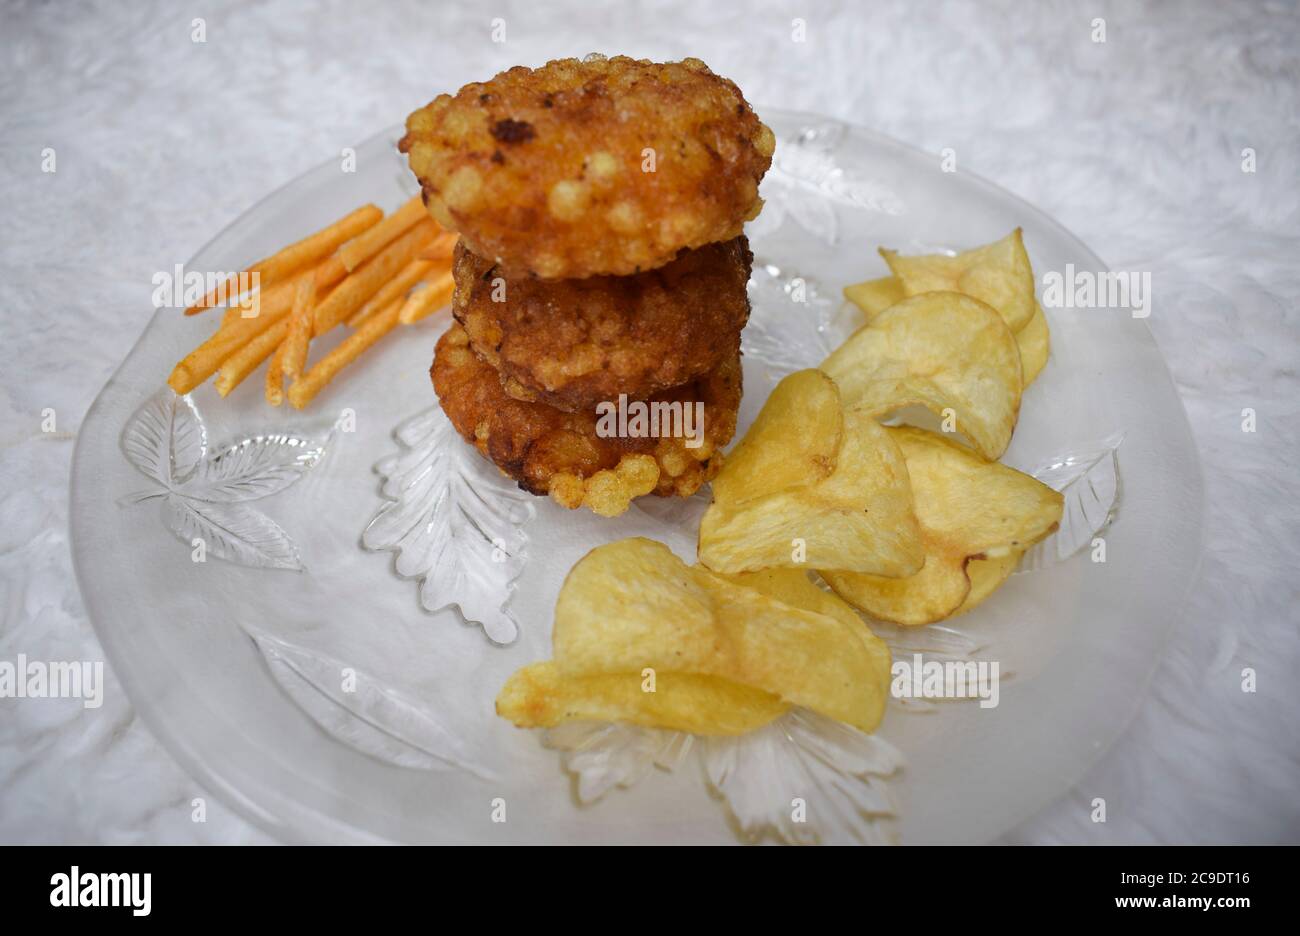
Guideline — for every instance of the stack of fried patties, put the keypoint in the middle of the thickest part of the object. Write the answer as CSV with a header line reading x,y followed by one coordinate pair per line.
x,y
600,205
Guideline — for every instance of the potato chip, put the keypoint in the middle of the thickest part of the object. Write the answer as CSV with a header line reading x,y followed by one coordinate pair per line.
x,y
943,351
969,508
998,274
795,588
632,605
987,576
860,517
1034,341
875,296
540,696
792,443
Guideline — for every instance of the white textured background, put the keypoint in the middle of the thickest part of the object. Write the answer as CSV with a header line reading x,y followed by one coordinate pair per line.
x,y
1134,144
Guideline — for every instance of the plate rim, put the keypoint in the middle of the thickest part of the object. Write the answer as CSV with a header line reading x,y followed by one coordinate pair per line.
x,y
292,820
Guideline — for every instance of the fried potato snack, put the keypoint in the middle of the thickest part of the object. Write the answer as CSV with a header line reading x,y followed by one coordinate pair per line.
x,y
943,351
633,605
877,295
540,696
1035,343
987,576
998,274
792,503
969,509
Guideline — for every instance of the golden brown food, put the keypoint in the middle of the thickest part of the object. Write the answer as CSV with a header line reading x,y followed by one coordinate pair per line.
x,y
565,455
575,343
598,166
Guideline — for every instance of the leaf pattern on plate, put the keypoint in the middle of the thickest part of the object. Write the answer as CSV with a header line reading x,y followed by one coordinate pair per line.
x,y
605,755
804,164
382,722
837,772
236,532
784,306
937,642
1089,479
203,496
166,438
253,468
453,522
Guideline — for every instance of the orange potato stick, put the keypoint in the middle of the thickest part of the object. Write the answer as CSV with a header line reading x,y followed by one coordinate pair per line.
x,y
203,361
369,278
426,299
371,330
293,354
395,288
275,376
273,299
360,249
442,247
330,273
307,252
244,361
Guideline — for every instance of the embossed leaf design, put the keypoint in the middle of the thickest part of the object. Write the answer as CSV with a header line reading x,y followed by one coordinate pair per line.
x,y
203,497
377,720
805,164
934,642
1089,480
453,522
785,331
603,755
165,438
837,772
235,532
253,468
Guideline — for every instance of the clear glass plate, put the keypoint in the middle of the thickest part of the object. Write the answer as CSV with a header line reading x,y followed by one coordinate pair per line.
x,y
299,674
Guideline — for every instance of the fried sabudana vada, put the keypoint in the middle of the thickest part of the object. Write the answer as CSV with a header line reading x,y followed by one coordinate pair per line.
x,y
549,451
591,167
575,343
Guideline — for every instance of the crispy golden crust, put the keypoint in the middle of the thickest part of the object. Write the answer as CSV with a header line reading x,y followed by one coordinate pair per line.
x,y
575,343
546,171
549,451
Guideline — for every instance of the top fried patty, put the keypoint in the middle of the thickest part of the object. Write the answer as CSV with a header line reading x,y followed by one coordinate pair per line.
x,y
598,166
575,343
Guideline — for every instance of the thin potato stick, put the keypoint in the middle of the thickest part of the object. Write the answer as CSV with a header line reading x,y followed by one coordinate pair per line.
x,y
307,252
330,273
426,299
358,251
369,278
244,361
374,328
443,246
293,353
277,297
203,361
395,288
275,376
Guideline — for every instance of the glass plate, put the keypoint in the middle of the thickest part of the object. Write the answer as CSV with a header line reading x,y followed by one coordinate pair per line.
x,y
298,672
